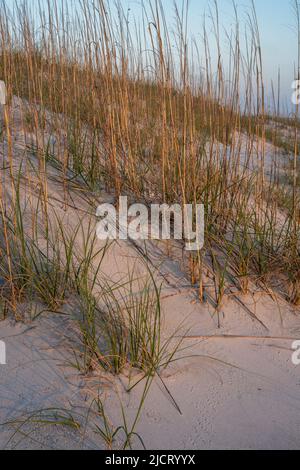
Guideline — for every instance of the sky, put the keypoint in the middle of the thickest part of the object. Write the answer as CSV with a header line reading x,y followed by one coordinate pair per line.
x,y
276,20
277,25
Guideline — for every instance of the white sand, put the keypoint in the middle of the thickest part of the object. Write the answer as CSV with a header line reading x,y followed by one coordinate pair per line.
x,y
239,390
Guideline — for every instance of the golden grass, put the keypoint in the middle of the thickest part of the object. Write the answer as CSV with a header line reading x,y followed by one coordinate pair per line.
x,y
140,120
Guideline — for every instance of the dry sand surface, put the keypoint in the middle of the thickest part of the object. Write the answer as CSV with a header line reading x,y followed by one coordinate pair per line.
x,y
235,385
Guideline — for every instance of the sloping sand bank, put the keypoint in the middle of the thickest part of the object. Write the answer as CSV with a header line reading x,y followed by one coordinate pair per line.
x,y
233,386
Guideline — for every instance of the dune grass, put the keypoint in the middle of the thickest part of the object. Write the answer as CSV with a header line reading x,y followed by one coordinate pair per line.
x,y
139,118
149,112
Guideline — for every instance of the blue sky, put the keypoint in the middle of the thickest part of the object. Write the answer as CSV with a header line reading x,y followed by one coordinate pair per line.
x,y
277,28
